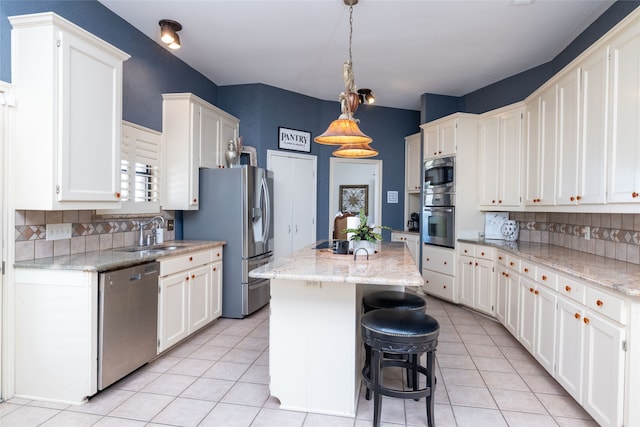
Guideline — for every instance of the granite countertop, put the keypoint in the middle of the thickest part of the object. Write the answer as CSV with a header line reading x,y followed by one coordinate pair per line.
x,y
111,259
393,265
619,276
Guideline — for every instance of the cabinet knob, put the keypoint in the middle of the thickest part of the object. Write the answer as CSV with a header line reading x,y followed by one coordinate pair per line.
x,y
572,199
578,198
634,194
190,258
567,288
476,264
482,253
215,269
445,263
428,259
544,278
499,201
186,278
499,258
511,263
493,202
444,287
117,195
465,251
218,254
193,276
526,270
470,263
531,290
586,320
599,303
439,152
536,292
426,281
195,200
577,315
506,274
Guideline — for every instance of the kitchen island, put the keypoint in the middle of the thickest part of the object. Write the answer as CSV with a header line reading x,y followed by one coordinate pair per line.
x,y
315,353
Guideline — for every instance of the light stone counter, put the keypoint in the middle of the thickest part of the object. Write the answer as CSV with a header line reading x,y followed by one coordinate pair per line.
x,y
111,259
315,350
392,266
614,275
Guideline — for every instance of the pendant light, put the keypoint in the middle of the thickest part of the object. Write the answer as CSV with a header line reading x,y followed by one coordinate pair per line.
x,y
169,33
345,131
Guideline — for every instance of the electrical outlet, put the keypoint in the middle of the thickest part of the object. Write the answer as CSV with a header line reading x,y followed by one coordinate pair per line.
x,y
587,232
59,231
170,225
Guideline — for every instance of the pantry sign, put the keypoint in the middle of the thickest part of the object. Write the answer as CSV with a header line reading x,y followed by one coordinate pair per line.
x,y
292,139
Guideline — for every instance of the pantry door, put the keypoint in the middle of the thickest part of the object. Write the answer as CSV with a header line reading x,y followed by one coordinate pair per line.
x,y
295,184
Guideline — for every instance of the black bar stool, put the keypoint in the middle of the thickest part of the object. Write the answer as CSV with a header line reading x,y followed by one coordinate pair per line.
x,y
407,333
390,299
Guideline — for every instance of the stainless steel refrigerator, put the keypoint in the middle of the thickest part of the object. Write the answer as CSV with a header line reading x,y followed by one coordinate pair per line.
x,y
236,205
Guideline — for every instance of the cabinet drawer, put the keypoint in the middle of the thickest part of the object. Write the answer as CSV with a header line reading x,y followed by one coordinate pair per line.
x,y
185,262
439,260
513,263
217,253
528,269
501,258
547,278
572,289
466,249
608,305
484,252
439,284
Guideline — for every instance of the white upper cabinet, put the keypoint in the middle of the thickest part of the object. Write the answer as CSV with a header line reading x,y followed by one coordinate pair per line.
x,y
68,86
412,163
499,183
624,115
195,135
440,139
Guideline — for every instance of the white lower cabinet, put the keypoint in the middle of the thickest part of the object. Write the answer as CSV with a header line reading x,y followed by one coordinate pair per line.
x,y
438,272
189,295
575,331
413,243
475,278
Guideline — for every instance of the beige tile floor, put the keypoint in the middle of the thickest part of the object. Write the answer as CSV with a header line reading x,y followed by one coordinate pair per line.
x,y
220,378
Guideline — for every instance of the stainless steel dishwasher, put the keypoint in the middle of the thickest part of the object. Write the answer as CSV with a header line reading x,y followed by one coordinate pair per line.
x,y
127,321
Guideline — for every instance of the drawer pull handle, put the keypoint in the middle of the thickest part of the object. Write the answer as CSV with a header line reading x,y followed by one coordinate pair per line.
x,y
586,320
544,277
567,288
577,315
599,303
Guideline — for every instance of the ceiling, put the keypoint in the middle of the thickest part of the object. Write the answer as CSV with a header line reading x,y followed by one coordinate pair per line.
x,y
401,48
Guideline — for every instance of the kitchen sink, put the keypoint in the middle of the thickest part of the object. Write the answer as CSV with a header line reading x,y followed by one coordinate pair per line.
x,y
151,249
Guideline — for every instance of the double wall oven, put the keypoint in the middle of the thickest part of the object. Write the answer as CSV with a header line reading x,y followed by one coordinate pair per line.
x,y
438,213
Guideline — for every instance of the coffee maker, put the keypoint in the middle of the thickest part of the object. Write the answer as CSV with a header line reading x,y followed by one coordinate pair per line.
x,y
414,223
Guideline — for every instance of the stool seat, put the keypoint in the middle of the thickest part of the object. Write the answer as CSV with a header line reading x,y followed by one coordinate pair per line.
x,y
407,333
393,299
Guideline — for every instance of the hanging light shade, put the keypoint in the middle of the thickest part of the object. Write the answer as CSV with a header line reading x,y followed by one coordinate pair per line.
x,y
355,151
345,130
169,33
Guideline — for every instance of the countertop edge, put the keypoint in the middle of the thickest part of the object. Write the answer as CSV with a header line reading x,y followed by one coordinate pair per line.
x,y
591,279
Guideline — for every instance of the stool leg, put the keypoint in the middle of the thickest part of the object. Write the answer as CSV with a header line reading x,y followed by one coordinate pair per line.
x,y
414,372
431,384
367,368
376,374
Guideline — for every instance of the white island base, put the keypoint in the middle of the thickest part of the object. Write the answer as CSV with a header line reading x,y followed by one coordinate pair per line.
x,y
315,350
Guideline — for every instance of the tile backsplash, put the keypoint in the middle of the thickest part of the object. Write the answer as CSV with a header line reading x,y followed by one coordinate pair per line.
x,y
90,232
615,236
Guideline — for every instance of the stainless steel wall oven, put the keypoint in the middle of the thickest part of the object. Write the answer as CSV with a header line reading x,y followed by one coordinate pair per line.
x,y
438,214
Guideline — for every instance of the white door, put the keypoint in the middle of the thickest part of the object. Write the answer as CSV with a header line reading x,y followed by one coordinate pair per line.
x,y
295,183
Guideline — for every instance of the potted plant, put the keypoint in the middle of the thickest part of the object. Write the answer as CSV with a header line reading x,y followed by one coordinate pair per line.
x,y
364,236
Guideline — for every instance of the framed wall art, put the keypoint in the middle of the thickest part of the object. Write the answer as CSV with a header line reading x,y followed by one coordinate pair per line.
x,y
293,139
353,198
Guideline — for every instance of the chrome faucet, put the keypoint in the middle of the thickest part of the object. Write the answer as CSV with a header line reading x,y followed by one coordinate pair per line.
x,y
141,241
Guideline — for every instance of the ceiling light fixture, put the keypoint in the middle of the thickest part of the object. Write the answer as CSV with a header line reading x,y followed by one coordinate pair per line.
x,y
366,96
345,131
169,33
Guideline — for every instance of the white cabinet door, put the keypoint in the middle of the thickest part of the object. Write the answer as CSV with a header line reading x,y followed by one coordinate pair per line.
x,y
604,369
484,292
199,311
431,146
532,153
412,163
544,349
229,131
465,277
624,117
448,138
510,188
439,284
527,309
548,134
216,290
68,121
502,295
570,344
592,169
208,131
513,305
489,161
568,137
172,310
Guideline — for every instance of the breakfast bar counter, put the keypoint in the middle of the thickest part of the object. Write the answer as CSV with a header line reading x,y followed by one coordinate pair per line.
x,y
315,352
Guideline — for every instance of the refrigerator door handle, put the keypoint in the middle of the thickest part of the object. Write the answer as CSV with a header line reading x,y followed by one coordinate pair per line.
x,y
267,210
